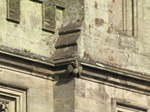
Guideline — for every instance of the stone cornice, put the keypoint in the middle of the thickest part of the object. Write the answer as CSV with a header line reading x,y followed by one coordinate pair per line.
x,y
33,64
79,68
25,65
116,77
116,70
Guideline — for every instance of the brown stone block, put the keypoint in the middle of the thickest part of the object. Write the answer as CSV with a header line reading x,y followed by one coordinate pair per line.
x,y
68,39
67,52
71,27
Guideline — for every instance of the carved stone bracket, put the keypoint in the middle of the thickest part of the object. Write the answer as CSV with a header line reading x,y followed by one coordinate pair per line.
x,y
74,69
70,70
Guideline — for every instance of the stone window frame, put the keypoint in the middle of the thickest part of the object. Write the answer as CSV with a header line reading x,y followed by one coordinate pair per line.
x,y
127,105
53,14
16,99
49,21
11,15
125,16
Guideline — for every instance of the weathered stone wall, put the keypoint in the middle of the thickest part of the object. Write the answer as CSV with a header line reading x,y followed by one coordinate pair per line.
x,y
96,30
105,40
98,97
26,34
39,91
64,95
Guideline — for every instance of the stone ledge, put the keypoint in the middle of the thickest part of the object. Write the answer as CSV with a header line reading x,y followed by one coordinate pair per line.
x,y
116,77
23,54
90,70
115,70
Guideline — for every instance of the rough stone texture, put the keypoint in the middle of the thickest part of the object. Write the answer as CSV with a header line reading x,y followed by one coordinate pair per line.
x,y
67,52
105,41
98,31
49,21
64,95
95,97
66,40
66,45
39,90
71,26
28,34
13,10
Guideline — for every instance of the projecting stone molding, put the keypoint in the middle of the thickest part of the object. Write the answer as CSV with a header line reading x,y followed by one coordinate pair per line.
x,y
124,106
66,45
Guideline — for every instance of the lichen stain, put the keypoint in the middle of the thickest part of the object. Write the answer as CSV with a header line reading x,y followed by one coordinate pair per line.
x,y
99,22
109,30
86,55
111,59
96,5
110,11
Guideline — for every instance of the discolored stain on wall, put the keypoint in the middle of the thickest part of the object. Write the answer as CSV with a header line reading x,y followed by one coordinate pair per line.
x,y
99,22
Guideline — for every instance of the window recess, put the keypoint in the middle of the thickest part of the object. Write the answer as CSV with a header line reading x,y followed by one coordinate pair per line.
x,y
122,106
130,16
13,10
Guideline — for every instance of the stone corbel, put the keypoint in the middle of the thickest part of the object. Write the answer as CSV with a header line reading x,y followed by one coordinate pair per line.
x,y
74,69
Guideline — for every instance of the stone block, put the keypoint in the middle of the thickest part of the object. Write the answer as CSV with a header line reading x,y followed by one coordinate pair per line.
x,y
67,52
67,39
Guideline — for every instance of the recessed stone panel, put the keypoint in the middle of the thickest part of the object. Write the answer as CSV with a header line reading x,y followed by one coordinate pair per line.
x,y
49,13
13,10
52,14
123,106
12,100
